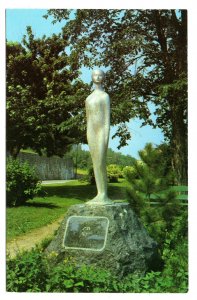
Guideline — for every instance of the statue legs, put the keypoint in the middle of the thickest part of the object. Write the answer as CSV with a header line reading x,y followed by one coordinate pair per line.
x,y
98,154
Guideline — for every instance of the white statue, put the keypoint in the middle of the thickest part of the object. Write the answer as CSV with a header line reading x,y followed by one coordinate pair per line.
x,y
98,126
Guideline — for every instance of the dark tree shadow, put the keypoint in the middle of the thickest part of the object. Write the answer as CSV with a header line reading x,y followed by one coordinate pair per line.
x,y
82,192
45,205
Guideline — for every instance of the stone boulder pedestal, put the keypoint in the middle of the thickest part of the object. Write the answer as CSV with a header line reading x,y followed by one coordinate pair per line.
x,y
106,236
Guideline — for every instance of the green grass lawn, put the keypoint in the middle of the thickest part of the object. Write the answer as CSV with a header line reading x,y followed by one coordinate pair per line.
x,y
57,198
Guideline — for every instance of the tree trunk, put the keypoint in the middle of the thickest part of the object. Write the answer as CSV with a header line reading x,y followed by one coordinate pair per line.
x,y
179,147
175,98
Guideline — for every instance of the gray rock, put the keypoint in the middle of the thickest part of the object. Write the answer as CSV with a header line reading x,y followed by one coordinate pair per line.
x,y
111,237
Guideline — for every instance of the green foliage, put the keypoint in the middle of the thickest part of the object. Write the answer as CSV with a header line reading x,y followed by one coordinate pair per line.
x,y
27,272
82,158
66,277
35,272
119,158
45,98
113,173
175,253
145,52
166,221
129,173
46,241
150,180
22,182
151,174
153,282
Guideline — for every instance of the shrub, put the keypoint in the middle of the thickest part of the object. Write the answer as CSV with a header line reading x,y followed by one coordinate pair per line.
x,y
34,272
113,173
153,282
22,182
175,252
27,272
129,173
67,277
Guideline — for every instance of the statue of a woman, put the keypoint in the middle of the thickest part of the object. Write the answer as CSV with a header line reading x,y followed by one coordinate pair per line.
x,y
98,126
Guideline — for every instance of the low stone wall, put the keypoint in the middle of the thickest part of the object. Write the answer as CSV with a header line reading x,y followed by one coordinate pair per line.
x,y
49,168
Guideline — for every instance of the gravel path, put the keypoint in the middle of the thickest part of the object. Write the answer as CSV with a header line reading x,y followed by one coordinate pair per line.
x,y
54,181
30,240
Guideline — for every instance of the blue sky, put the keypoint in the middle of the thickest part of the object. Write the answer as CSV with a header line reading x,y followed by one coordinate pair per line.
x,y
16,22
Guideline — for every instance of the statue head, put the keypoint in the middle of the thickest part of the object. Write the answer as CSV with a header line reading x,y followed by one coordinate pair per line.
x,y
98,76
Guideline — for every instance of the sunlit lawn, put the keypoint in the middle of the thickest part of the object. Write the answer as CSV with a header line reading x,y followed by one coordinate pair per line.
x,y
53,204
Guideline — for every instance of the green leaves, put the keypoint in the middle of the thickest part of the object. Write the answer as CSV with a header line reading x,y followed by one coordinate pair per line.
x,y
22,183
150,194
45,99
145,53
33,271
26,273
66,277
113,172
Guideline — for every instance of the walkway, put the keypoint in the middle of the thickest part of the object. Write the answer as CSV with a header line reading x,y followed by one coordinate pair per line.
x,y
30,240
54,181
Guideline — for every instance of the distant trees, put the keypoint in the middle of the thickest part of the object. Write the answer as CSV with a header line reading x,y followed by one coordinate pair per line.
x,y
119,158
45,98
83,160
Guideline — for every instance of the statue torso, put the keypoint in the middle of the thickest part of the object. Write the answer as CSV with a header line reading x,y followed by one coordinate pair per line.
x,y
96,105
96,100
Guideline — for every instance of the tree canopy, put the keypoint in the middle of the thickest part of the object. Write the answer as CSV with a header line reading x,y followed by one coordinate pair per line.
x,y
145,52
45,98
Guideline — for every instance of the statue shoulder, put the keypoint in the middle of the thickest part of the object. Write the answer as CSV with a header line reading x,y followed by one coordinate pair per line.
x,y
96,95
106,94
88,98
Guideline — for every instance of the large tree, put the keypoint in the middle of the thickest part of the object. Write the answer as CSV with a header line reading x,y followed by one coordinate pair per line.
x,y
45,98
145,52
